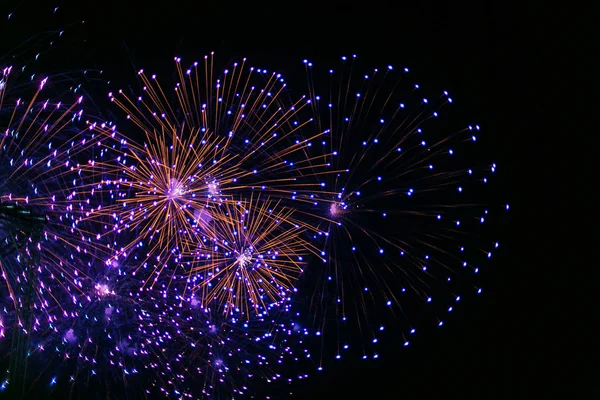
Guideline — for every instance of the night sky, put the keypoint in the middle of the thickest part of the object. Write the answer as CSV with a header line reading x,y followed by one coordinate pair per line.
x,y
502,344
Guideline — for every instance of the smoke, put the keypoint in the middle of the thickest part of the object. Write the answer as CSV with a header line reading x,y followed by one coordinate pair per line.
x,y
70,336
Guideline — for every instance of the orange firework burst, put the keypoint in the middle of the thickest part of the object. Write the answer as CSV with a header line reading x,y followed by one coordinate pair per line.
x,y
254,258
219,139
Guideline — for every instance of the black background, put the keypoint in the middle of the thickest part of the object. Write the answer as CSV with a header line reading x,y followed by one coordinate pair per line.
x,y
492,58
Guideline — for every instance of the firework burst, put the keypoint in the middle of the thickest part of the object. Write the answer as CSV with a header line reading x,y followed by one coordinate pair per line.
x,y
255,256
218,140
178,250
400,218
42,146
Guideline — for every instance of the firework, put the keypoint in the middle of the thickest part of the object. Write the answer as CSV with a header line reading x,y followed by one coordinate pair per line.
x,y
220,138
42,146
226,229
253,257
157,341
400,219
